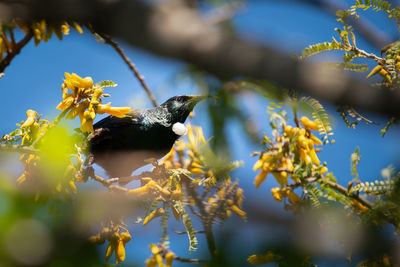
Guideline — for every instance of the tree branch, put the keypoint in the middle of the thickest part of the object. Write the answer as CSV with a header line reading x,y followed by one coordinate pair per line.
x,y
172,29
15,51
107,39
19,149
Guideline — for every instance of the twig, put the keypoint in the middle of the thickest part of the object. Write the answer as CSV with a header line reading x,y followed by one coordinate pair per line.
x,y
204,217
15,51
131,65
189,260
335,186
366,54
19,149
184,233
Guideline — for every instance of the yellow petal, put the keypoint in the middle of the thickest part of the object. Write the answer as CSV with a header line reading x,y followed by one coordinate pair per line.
x,y
169,257
120,251
313,157
309,124
260,178
110,249
293,198
125,237
258,165
374,71
77,27
66,103
119,112
31,116
281,177
276,193
261,258
154,214
239,212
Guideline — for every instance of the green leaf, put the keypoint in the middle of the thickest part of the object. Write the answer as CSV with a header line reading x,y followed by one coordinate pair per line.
x,y
321,47
187,222
106,84
319,114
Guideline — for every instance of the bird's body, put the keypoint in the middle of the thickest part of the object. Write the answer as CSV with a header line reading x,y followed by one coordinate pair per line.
x,y
121,145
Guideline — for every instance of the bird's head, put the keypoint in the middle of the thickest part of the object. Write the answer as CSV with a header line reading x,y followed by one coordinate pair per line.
x,y
180,106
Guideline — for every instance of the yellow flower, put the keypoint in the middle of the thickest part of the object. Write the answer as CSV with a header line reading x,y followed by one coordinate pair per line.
x,y
281,177
154,214
65,28
169,257
278,193
309,124
78,109
260,178
31,117
293,197
261,258
110,249
119,112
120,251
323,170
66,103
75,81
77,27
87,121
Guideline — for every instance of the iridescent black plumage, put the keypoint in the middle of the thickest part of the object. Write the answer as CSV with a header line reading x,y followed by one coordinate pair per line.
x,y
120,145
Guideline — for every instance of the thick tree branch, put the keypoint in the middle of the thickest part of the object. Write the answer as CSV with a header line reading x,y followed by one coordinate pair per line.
x,y
172,29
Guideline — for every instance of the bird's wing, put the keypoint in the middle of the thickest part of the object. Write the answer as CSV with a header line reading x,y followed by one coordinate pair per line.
x,y
107,132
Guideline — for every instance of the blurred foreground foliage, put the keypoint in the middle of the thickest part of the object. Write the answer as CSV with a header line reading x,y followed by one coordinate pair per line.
x,y
49,217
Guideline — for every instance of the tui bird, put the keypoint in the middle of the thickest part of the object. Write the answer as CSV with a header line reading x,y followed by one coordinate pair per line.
x,y
121,145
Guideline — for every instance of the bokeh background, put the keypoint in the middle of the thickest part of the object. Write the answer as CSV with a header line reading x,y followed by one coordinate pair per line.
x,y
33,81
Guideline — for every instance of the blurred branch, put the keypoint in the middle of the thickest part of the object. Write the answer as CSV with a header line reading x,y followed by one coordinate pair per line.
x,y
365,28
207,224
107,39
18,148
189,260
172,29
16,49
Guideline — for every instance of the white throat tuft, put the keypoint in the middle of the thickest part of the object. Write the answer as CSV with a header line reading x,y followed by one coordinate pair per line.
x,y
179,129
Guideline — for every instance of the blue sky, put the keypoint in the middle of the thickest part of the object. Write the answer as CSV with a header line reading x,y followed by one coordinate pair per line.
x,y
34,78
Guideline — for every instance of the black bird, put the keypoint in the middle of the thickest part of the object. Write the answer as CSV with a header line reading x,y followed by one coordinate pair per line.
x,y
121,145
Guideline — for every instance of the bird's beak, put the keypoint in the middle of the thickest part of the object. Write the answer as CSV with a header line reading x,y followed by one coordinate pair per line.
x,y
194,99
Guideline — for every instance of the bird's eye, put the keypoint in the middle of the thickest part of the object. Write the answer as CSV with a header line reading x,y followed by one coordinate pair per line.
x,y
179,99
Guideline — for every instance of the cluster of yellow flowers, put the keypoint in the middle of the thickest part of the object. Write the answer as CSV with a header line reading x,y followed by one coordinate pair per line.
x,y
296,145
259,259
116,241
33,178
32,127
160,257
383,71
228,199
195,163
31,132
85,101
227,192
41,32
